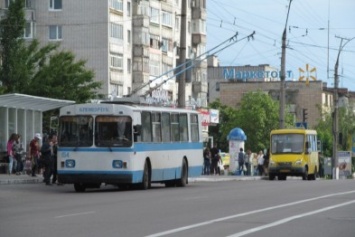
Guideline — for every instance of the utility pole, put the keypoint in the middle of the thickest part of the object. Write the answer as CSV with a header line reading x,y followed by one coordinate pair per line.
x,y
283,73
182,57
336,111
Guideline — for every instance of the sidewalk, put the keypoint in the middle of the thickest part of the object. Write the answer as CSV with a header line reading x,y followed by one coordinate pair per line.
x,y
19,179
26,179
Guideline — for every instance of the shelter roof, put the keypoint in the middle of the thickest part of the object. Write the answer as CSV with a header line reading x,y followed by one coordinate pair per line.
x,y
22,101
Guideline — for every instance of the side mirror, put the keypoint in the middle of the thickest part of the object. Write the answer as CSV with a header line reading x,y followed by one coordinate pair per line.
x,y
137,130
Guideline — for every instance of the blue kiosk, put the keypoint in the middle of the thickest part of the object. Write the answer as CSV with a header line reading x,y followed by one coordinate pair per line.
x,y
236,139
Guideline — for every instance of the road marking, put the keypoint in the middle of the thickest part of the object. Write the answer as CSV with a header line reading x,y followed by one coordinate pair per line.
x,y
283,221
172,231
76,214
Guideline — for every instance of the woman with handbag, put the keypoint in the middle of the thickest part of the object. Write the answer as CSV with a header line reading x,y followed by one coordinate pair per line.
x,y
34,152
10,152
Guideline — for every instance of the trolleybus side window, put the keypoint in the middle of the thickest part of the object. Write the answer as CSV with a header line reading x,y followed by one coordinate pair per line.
x,y
165,127
175,127
184,135
146,127
156,122
194,128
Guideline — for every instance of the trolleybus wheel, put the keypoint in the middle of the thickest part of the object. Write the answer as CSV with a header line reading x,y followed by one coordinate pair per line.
x,y
80,188
183,180
146,177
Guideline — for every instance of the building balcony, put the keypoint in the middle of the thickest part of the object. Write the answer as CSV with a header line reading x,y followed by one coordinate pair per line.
x,y
140,21
141,51
198,39
199,13
199,87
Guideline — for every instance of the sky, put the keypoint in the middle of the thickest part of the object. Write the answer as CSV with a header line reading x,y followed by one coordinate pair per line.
x,y
309,39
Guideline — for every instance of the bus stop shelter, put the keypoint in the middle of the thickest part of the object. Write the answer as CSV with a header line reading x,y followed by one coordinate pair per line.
x,y
23,114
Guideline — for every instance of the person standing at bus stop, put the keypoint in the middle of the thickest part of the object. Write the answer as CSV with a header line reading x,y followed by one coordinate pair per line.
x,y
214,158
207,161
34,151
247,161
241,160
10,151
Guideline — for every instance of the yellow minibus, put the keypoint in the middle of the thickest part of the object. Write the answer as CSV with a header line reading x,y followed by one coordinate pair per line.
x,y
293,152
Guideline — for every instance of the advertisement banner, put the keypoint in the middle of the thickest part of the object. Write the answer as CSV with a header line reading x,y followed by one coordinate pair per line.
x,y
344,164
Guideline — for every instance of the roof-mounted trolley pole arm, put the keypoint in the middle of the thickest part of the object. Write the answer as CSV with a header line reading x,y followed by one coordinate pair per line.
x,y
232,40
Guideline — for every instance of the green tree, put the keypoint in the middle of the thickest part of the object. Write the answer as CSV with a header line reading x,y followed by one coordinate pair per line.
x,y
42,71
325,135
63,78
12,28
257,115
227,118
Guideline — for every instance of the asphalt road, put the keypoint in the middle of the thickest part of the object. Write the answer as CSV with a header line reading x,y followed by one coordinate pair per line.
x,y
257,208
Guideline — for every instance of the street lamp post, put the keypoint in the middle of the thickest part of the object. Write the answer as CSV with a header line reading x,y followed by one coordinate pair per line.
x,y
283,73
336,112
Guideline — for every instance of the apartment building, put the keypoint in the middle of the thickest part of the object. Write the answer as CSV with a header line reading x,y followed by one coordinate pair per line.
x,y
132,45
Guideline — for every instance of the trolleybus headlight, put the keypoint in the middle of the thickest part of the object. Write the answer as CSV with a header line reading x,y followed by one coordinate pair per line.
x,y
70,163
117,164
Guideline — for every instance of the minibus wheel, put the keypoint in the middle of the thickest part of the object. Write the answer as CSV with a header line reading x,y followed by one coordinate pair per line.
x,y
271,176
305,174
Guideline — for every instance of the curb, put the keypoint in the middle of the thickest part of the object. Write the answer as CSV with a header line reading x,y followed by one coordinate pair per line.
x,y
7,181
19,181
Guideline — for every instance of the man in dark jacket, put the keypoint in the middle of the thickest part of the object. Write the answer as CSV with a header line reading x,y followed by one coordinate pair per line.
x,y
47,154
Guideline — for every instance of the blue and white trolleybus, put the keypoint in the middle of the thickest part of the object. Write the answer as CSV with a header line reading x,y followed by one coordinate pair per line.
x,y
128,145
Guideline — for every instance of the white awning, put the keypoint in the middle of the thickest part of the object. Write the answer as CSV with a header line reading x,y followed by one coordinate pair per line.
x,y
36,103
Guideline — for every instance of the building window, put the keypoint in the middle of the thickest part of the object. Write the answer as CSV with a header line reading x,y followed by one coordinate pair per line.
x,y
28,31
116,31
165,45
128,36
168,70
154,65
154,41
29,4
177,24
117,5
116,61
129,8
55,32
154,15
55,5
129,65
167,19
